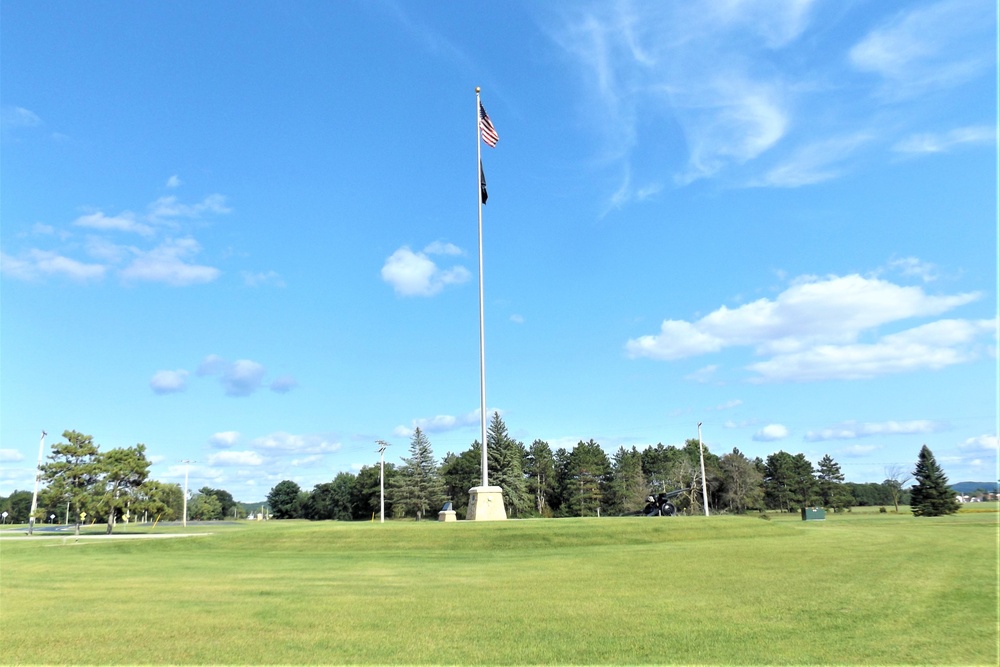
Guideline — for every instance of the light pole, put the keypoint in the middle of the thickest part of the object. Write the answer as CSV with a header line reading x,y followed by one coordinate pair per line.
x,y
187,464
704,487
38,472
382,444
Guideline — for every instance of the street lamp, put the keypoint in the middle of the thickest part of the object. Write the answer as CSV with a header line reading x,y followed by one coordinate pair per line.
x,y
382,444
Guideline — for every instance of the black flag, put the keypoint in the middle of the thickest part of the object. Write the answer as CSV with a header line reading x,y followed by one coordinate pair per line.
x,y
482,184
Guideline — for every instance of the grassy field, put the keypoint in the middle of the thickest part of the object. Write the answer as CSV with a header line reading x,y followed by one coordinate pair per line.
x,y
859,588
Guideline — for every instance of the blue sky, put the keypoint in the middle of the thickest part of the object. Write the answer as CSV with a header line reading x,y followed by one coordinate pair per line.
x,y
245,234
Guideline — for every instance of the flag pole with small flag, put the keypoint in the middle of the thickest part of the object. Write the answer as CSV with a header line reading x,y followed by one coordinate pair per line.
x,y
488,134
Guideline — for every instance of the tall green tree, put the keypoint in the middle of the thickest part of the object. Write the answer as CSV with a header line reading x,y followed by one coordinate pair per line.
x,y
830,484
226,502
158,500
540,471
17,505
204,507
742,483
627,489
72,475
459,473
505,458
931,495
122,471
588,471
366,501
418,488
284,500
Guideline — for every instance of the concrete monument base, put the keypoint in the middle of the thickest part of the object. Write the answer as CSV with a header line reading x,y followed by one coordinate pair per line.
x,y
486,504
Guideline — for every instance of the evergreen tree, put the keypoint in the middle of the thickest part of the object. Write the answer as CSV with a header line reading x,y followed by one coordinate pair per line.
x,y
418,489
506,466
587,475
459,473
540,469
742,483
931,496
831,489
627,490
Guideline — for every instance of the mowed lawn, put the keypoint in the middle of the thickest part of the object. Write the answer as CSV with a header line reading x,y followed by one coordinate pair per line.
x,y
854,589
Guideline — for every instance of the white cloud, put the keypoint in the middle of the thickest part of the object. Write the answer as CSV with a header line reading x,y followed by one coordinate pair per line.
x,y
251,279
36,264
703,374
10,456
283,384
442,423
810,331
813,163
242,377
213,364
174,181
729,404
11,117
987,443
225,439
854,430
246,458
169,207
770,433
123,222
944,142
300,444
167,263
169,382
415,273
929,347
927,47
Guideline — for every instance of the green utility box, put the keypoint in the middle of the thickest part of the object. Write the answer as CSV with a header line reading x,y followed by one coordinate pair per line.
x,y
813,514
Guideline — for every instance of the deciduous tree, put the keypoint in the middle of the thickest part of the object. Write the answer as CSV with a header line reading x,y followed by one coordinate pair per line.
x,y
284,500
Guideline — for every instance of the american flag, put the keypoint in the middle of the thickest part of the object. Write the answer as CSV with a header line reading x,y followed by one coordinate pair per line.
x,y
486,128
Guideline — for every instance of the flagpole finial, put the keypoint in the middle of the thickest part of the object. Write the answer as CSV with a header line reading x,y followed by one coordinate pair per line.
x,y
477,89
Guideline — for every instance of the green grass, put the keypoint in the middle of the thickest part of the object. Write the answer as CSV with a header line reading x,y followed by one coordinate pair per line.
x,y
859,588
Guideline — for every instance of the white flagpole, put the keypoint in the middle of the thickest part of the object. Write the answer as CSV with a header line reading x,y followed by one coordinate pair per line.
x,y
34,496
482,327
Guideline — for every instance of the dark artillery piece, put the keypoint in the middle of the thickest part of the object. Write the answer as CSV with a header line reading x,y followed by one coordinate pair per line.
x,y
660,505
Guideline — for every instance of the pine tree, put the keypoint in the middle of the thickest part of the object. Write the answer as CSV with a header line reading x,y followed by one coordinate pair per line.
x,y
506,466
930,496
831,489
418,488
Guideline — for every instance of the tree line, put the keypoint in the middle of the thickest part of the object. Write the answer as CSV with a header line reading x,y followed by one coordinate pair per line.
x,y
85,485
539,482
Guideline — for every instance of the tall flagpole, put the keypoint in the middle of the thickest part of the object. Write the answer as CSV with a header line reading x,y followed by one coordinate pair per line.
x,y
482,326
34,496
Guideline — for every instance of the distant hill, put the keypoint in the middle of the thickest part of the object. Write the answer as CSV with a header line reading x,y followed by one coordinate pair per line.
x,y
969,487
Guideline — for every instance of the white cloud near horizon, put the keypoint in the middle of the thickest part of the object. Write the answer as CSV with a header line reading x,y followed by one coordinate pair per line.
x,y
443,423
853,430
224,439
416,274
10,456
771,433
36,264
813,330
233,458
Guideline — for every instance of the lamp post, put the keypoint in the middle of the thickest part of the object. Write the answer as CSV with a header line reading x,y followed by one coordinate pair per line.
x,y
187,464
382,444
704,487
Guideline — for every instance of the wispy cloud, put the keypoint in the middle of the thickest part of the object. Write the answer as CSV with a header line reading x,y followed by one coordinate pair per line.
x,y
812,331
854,430
150,257
442,423
927,47
233,458
10,456
224,439
747,92
416,274
944,142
